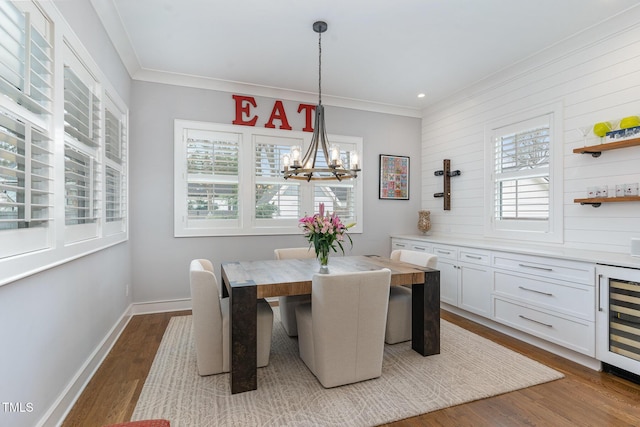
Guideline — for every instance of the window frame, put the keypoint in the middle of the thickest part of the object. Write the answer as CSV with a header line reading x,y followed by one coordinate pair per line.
x,y
551,230
247,223
28,250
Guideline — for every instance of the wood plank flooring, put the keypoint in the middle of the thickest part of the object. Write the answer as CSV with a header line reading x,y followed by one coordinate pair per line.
x,y
583,398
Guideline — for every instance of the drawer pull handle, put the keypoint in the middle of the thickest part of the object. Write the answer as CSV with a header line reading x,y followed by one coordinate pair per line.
x,y
473,257
401,245
535,267
420,248
537,292
535,321
444,252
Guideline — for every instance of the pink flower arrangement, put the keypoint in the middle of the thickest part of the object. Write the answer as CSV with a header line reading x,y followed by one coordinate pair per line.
x,y
324,233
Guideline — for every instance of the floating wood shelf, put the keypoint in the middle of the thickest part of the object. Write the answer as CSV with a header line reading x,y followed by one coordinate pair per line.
x,y
596,150
597,201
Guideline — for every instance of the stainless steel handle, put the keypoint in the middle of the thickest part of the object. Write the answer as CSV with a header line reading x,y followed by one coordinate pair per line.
x,y
400,245
473,257
443,252
535,321
599,290
420,248
536,291
535,267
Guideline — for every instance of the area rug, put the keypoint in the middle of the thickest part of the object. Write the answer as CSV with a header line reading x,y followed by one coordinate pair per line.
x,y
468,368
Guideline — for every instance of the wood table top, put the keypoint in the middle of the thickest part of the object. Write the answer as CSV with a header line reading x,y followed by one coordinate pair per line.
x,y
293,276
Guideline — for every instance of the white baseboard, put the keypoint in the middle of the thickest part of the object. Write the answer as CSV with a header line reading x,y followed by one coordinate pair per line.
x,y
160,306
63,404
61,407
566,353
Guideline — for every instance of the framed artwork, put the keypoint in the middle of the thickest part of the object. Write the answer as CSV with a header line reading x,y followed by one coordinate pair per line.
x,y
394,177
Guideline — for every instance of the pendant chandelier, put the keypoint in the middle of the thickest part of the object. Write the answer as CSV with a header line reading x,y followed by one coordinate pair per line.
x,y
331,166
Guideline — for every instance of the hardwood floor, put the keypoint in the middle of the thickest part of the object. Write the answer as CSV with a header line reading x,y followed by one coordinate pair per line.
x,y
583,398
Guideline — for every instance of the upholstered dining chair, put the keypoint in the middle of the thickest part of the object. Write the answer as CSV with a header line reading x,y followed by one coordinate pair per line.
x,y
399,316
341,332
211,322
289,303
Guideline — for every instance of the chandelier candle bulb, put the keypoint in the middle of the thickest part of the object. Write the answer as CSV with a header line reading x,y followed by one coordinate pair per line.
x,y
335,154
354,160
286,161
295,155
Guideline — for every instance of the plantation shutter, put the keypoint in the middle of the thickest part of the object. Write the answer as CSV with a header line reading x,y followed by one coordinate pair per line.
x,y
274,197
81,110
522,173
115,177
212,175
79,173
25,59
83,193
25,174
26,146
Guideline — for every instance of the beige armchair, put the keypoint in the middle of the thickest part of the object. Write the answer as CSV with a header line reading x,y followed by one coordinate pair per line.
x,y
289,303
211,322
399,316
341,332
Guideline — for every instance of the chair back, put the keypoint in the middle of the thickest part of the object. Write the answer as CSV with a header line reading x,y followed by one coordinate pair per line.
x,y
295,253
349,314
423,259
207,316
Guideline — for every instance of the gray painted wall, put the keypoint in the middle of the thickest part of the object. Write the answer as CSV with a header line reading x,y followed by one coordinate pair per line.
x,y
160,261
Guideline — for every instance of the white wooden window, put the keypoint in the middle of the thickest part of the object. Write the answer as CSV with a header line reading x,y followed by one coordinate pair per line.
x,y
275,199
115,137
26,146
61,171
83,191
26,65
228,181
211,178
524,184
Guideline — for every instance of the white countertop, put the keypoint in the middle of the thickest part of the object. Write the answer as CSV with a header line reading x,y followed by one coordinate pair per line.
x,y
598,257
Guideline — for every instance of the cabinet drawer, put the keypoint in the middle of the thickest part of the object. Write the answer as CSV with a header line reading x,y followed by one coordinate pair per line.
x,y
400,244
446,252
474,256
566,297
574,271
571,333
420,247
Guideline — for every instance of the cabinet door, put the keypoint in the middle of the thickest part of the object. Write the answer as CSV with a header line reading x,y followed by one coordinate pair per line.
x,y
475,289
448,281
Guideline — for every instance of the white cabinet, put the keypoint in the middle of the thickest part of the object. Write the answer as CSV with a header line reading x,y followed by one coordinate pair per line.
x,y
465,278
448,266
475,281
550,298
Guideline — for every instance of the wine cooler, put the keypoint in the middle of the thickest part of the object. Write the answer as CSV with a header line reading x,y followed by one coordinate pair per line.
x,y
618,318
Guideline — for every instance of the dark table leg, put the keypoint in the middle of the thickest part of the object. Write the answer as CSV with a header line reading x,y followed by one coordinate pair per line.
x,y
425,321
243,320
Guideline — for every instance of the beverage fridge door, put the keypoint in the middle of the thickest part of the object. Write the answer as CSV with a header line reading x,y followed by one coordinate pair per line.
x,y
618,317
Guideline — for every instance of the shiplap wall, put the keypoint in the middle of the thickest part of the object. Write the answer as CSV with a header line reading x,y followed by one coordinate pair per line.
x,y
596,76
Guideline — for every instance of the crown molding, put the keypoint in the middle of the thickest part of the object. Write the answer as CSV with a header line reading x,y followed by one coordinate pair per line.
x,y
198,82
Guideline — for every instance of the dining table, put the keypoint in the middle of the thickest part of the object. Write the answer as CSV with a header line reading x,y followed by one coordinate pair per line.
x,y
245,282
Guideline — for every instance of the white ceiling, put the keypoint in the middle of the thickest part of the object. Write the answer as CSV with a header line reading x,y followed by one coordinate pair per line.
x,y
379,51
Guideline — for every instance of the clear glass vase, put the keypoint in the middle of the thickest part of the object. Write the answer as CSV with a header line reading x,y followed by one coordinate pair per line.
x,y
323,258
